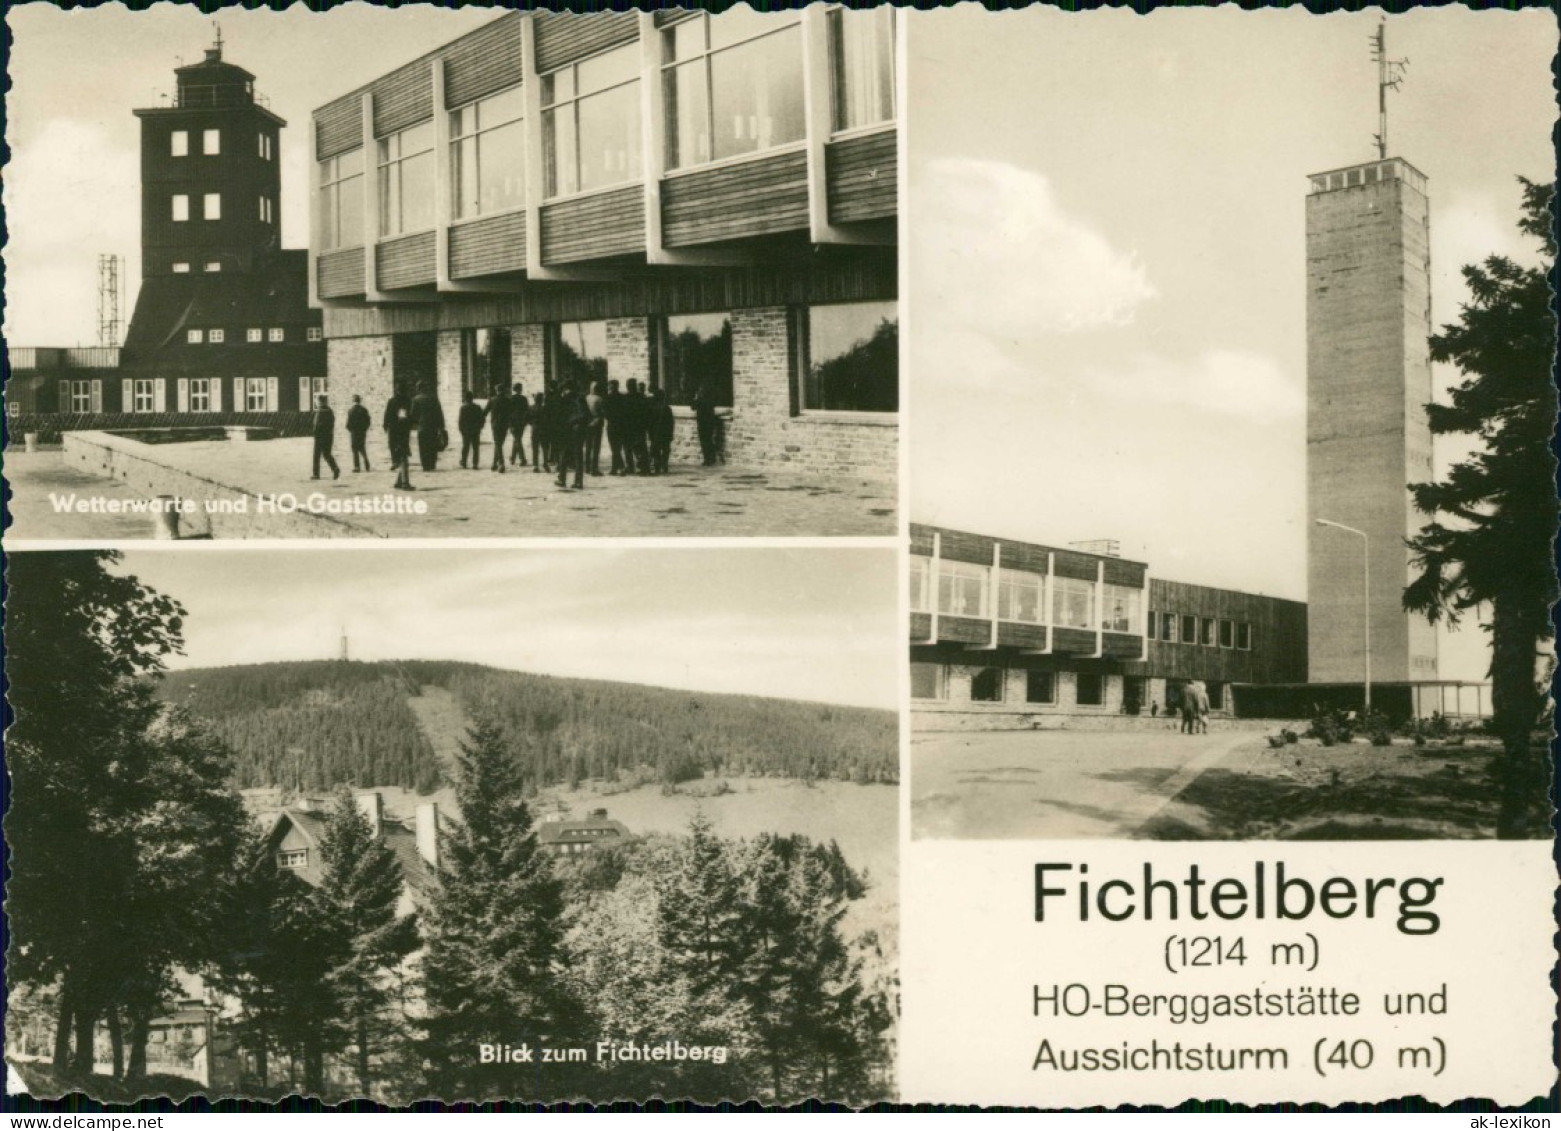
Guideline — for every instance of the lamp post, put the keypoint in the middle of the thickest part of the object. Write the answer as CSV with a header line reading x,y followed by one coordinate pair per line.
x,y
1365,557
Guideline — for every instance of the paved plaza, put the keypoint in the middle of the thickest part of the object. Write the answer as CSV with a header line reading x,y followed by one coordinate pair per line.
x,y
1055,784
691,501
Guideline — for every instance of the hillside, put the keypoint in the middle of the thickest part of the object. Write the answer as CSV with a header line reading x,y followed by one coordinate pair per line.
x,y
307,726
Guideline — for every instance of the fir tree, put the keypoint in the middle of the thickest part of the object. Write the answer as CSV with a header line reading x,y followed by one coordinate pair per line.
x,y
361,889
495,959
1497,549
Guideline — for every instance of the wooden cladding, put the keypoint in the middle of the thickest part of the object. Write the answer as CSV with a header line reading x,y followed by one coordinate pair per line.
x,y
489,246
1119,571
405,262
964,630
341,273
1013,635
338,127
567,37
1122,646
484,62
1075,641
862,175
760,197
1278,627
600,226
958,546
403,98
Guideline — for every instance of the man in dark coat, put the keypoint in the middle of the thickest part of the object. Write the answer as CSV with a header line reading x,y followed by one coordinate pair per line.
x,y
541,416
358,424
519,415
428,415
612,412
570,429
469,422
637,420
500,413
708,424
662,426
324,436
398,432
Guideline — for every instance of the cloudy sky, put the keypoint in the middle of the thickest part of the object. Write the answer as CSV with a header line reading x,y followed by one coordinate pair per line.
x,y
72,189
816,624
1107,286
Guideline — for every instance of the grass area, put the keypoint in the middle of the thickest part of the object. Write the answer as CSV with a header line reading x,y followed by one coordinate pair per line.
x,y
1351,791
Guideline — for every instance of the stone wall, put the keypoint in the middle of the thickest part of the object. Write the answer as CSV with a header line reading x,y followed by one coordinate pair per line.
x,y
360,367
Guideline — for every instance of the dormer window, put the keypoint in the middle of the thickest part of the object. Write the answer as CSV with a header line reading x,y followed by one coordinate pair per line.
x,y
293,858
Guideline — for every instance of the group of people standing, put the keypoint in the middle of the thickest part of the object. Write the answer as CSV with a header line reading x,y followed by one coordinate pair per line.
x,y
567,426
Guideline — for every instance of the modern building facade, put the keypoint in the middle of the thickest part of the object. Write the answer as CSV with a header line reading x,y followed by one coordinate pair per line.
x,y
1368,321
1007,633
688,200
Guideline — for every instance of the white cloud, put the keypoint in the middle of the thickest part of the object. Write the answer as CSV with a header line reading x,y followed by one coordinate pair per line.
x,y
1232,383
1005,259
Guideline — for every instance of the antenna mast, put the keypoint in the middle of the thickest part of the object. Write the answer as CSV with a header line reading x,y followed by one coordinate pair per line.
x,y
344,642
1390,73
110,300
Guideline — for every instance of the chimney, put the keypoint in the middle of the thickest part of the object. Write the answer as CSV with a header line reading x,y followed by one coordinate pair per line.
x,y
372,807
428,833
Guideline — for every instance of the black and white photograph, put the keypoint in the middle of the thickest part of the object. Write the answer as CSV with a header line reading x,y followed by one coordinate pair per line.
x,y
412,824
1231,510
436,272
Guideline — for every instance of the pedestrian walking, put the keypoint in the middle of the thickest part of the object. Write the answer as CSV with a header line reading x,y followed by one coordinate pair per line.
x,y
432,438
324,429
358,424
398,433
469,422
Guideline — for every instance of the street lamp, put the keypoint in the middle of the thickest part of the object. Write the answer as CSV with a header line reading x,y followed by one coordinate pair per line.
x,y
1365,557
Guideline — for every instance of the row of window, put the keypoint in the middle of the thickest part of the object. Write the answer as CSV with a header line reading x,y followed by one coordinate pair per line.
x,y
211,143
253,334
990,685
963,589
194,394
1207,632
732,84
846,357
211,207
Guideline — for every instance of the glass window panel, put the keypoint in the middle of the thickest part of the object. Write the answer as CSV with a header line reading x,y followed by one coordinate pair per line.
x,y
1121,611
211,141
743,22
417,139
962,589
213,206
986,685
502,167
506,106
756,95
853,358
1244,636
1227,634
684,40
179,143
1040,687
1206,632
558,144
350,224
389,201
181,207
1090,689
463,173
558,86
1189,634
350,164
688,112
697,352
863,67
463,121
417,193
1019,596
579,353
609,133
1073,603
926,681
609,68
921,569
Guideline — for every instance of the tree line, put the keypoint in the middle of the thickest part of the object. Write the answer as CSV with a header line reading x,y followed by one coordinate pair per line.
x,y
307,725
133,861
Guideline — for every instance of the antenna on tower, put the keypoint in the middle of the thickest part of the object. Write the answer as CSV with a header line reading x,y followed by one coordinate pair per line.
x,y
1390,73
218,45
110,300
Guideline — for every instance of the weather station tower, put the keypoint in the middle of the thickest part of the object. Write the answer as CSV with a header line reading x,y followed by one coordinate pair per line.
x,y
1368,379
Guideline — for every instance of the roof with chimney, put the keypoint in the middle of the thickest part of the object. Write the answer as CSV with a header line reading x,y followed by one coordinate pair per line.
x,y
594,829
307,823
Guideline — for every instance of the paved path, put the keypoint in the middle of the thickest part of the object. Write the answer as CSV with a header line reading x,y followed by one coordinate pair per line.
x,y
691,501
30,478
1053,785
